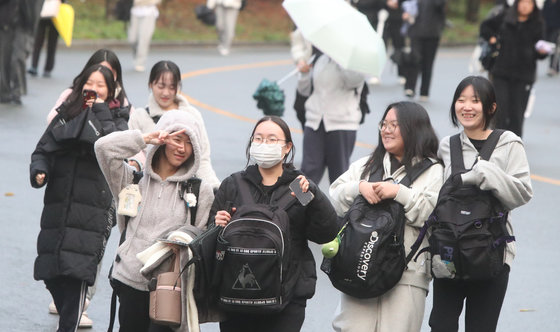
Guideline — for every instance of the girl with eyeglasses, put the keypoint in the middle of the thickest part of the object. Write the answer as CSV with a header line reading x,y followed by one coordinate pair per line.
x,y
406,137
270,153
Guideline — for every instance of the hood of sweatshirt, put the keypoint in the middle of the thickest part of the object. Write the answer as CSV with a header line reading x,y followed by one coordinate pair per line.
x,y
173,121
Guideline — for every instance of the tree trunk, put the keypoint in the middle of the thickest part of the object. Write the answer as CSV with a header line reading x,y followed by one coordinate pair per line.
x,y
471,12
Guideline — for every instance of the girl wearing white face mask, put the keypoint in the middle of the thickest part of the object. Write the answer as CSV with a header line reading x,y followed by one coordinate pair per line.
x,y
271,148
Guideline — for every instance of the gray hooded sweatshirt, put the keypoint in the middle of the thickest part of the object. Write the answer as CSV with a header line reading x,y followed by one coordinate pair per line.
x,y
506,174
161,208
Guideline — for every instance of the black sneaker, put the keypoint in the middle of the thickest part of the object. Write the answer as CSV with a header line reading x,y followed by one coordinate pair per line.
x,y
32,71
47,74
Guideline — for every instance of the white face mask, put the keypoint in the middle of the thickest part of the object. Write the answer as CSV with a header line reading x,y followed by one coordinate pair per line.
x,y
266,155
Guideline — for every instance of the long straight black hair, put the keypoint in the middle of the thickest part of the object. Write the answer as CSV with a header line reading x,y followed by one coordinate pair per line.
x,y
419,137
72,106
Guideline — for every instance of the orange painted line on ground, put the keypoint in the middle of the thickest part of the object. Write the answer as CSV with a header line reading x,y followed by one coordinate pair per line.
x,y
545,179
220,111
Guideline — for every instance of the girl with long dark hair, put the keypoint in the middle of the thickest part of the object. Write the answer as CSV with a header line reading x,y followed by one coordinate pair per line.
x,y
406,137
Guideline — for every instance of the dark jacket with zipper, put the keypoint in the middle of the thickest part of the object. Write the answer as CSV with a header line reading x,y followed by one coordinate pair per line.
x,y
517,58
430,21
316,222
77,215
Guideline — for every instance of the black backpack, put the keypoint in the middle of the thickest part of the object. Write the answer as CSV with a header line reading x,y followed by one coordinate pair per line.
x,y
253,253
371,256
468,225
122,10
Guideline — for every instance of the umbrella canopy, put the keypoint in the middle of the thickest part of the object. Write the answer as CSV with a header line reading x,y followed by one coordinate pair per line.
x,y
269,98
341,32
64,23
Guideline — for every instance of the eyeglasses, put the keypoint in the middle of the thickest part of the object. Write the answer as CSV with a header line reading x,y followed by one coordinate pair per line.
x,y
389,126
258,140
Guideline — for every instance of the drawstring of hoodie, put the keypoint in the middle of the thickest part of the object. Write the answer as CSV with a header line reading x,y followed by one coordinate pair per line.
x,y
176,193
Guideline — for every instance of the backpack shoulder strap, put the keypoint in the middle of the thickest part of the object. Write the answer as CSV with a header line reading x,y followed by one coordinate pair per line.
x,y
376,176
490,144
243,189
416,171
286,199
456,149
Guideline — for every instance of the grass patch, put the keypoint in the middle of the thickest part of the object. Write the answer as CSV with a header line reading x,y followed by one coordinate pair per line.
x,y
261,21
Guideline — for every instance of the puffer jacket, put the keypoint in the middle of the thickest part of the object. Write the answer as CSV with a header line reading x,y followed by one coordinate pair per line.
x,y
76,219
315,222
518,57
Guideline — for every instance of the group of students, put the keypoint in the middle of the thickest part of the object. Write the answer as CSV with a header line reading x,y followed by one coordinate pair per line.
x,y
92,151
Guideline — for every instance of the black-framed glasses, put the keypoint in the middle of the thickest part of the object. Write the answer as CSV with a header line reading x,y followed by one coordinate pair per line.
x,y
269,140
387,125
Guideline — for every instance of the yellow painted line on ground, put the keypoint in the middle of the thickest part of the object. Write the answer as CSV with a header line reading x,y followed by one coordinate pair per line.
x,y
220,111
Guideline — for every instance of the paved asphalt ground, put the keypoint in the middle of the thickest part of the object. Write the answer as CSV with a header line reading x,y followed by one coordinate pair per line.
x,y
221,87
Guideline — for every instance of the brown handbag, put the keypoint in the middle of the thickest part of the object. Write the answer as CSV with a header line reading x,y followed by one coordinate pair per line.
x,y
165,299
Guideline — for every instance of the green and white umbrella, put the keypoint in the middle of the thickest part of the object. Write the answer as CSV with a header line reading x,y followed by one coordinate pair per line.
x,y
341,32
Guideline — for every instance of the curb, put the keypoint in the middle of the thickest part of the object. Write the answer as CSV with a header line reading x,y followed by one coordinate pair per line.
x,y
122,43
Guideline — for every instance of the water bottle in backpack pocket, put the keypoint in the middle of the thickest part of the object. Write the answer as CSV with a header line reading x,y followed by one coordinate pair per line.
x,y
468,224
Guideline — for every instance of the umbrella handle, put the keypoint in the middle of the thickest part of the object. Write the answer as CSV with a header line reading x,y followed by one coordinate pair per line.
x,y
287,76
293,72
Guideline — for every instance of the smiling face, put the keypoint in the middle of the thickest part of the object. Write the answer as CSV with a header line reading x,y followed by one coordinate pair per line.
x,y
164,91
469,111
96,82
180,151
391,135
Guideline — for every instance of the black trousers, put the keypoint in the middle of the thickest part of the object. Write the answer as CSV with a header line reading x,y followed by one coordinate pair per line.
x,y
483,303
553,35
69,297
45,27
134,308
512,97
425,50
7,37
330,150
288,320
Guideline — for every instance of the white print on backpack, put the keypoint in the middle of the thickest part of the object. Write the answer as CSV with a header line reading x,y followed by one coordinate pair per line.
x,y
260,302
97,133
365,256
246,279
465,213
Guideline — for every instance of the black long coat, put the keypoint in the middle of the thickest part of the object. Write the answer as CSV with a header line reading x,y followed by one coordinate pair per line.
x,y
76,219
517,59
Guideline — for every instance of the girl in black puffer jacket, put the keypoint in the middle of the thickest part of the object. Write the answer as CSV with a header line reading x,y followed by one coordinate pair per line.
x,y
517,30
77,216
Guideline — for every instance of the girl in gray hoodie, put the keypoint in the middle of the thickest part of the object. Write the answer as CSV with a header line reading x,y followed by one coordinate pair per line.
x,y
173,153
506,174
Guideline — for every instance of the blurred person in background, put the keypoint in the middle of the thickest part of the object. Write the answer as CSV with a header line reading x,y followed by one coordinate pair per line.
x,y
517,30
47,29
226,19
17,21
551,14
143,16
